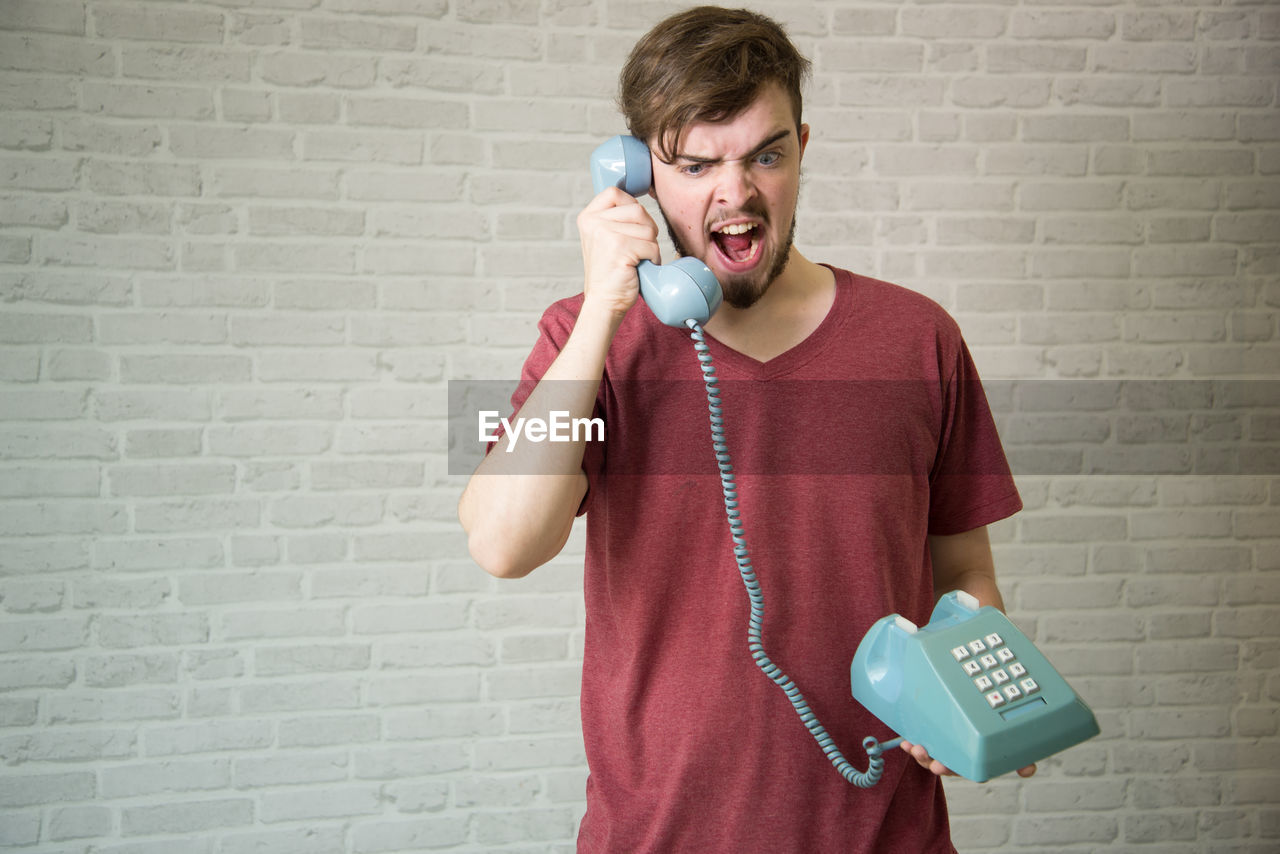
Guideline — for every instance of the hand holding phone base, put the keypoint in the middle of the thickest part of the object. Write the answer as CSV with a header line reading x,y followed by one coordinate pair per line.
x,y
970,687
683,290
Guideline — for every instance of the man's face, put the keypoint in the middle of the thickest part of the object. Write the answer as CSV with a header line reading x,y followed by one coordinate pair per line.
x,y
729,196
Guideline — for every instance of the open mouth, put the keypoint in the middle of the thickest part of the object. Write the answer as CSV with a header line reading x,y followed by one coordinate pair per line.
x,y
738,243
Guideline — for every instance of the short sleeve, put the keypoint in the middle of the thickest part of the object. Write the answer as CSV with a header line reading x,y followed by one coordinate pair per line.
x,y
971,484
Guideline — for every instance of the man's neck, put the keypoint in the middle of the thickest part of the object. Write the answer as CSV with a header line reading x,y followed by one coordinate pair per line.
x,y
790,310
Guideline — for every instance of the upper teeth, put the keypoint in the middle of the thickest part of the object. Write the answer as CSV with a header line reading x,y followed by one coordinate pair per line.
x,y
740,228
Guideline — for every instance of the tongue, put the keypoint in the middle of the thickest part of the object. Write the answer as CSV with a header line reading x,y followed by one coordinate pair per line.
x,y
736,246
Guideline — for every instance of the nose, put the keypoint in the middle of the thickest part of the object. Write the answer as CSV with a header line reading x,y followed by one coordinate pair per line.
x,y
737,186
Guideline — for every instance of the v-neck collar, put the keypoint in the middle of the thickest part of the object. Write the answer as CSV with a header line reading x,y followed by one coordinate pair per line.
x,y
790,360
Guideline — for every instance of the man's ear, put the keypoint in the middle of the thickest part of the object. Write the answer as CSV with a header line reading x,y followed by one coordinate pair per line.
x,y
804,138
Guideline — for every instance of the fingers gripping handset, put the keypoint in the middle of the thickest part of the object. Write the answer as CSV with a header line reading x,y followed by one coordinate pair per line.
x,y
676,292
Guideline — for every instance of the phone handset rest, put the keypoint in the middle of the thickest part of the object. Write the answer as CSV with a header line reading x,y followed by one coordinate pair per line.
x,y
678,292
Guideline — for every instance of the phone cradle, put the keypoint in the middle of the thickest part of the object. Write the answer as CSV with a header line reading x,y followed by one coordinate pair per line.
x,y
970,687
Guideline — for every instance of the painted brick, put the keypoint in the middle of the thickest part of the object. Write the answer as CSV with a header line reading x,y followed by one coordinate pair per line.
x,y
403,834
357,34
187,817
308,841
79,823
58,16
18,790
1060,24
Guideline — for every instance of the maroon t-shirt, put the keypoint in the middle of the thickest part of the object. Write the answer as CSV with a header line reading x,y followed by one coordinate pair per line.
x,y
849,450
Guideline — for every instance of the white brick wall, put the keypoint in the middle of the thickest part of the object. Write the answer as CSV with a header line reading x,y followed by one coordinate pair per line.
x,y
245,243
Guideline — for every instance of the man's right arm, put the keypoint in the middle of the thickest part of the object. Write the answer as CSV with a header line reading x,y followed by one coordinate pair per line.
x,y
519,506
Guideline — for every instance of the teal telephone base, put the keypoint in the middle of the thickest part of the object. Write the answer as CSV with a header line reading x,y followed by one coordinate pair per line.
x,y
970,688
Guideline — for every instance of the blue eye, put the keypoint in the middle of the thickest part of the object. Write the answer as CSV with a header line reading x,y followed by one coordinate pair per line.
x,y
768,158
693,170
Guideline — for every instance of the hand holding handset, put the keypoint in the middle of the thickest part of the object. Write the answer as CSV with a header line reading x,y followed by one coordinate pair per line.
x,y
677,292
970,688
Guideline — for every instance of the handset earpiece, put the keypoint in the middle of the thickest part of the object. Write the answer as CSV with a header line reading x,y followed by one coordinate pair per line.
x,y
678,292
622,162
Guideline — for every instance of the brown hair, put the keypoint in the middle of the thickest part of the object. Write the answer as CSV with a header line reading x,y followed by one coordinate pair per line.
x,y
706,64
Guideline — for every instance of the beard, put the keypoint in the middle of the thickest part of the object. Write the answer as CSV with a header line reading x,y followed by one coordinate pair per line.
x,y
745,290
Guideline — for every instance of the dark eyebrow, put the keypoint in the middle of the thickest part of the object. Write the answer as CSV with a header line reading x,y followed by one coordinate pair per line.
x,y
761,147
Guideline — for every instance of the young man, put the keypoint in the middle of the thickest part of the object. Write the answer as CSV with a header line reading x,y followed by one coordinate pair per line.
x,y
867,469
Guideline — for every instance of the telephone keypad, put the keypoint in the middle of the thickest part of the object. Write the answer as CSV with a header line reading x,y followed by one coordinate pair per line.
x,y
994,669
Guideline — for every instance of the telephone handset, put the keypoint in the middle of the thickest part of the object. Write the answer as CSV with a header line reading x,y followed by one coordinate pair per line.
x,y
678,292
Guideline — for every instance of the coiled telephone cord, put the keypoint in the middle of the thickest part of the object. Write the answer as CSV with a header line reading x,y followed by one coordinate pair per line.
x,y
755,641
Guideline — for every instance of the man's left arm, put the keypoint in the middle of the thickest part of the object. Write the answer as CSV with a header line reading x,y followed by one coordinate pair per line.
x,y
962,562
